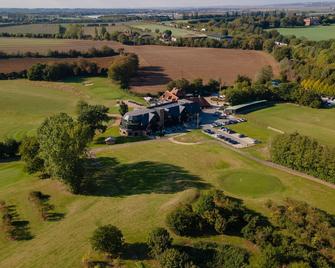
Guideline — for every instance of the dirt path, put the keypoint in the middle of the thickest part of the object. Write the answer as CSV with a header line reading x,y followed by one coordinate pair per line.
x,y
172,139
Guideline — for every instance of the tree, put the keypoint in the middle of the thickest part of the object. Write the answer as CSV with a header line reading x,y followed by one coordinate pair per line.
x,y
94,116
123,109
184,221
108,239
173,258
63,144
123,69
265,75
29,151
158,241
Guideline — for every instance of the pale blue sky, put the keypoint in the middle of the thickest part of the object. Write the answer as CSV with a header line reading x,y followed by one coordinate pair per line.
x,y
133,3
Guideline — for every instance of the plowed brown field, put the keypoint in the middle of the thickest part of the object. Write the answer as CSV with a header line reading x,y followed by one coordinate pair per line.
x,y
159,64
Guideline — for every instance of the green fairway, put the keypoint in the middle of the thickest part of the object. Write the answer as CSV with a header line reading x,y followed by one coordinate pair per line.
x,y
265,123
25,104
253,184
138,185
315,33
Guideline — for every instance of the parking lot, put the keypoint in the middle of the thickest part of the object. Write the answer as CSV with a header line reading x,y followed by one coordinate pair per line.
x,y
218,128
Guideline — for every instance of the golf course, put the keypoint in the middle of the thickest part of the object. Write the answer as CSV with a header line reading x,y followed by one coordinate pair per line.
x,y
140,183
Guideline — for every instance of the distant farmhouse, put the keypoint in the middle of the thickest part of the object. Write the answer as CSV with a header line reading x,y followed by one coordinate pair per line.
x,y
155,118
311,21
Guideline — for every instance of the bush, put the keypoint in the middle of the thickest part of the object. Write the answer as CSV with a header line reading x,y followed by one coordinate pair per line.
x,y
185,222
230,257
9,148
159,240
108,239
29,150
173,258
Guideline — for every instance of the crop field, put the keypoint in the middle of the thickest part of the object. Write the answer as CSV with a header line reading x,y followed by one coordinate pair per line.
x,y
54,29
25,104
13,45
266,123
161,64
143,187
315,33
31,28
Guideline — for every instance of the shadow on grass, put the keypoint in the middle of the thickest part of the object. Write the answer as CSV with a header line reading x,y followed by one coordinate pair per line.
x,y
21,229
136,251
107,177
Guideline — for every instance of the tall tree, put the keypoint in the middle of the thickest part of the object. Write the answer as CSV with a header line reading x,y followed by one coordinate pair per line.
x,y
94,116
63,144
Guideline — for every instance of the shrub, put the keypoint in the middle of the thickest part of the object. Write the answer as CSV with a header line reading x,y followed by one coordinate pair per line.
x,y
159,240
29,150
173,258
9,148
230,257
108,239
184,221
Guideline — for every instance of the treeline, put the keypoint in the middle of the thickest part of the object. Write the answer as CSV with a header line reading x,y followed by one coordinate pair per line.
x,y
195,87
304,154
93,52
60,71
244,90
280,245
9,149
311,63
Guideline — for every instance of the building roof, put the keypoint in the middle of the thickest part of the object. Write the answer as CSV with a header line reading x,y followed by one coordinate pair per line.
x,y
246,105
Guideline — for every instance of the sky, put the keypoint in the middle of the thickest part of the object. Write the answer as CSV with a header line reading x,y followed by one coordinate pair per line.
x,y
134,3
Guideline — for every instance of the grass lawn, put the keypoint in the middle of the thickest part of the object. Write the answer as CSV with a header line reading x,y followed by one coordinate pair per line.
x,y
25,104
138,184
288,118
153,26
315,33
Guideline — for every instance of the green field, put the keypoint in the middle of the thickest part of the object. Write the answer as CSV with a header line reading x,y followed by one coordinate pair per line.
x,y
315,33
139,184
31,28
25,104
153,26
266,123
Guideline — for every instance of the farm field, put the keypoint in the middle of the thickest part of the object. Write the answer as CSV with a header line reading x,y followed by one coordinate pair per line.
x,y
315,33
175,31
25,104
266,123
54,28
13,45
143,187
31,28
161,64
